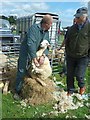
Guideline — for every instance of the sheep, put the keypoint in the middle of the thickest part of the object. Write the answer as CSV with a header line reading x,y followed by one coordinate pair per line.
x,y
43,71
3,59
60,54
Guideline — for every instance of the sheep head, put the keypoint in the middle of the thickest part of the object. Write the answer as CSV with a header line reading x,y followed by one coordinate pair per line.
x,y
44,43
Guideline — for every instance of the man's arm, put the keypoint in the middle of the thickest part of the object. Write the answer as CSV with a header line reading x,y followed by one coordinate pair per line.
x,y
63,44
65,39
31,42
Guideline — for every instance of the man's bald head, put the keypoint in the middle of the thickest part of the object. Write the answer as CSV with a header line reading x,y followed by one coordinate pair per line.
x,y
46,22
47,19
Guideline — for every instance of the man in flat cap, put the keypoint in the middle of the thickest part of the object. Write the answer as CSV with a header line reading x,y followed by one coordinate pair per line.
x,y
77,51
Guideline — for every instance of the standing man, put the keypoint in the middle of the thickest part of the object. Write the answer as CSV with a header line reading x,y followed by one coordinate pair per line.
x,y
77,50
35,35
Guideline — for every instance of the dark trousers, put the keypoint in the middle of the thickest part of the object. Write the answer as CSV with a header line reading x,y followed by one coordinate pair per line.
x,y
21,72
76,67
21,68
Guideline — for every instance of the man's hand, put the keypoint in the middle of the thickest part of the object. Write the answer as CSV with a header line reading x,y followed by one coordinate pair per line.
x,y
41,60
36,62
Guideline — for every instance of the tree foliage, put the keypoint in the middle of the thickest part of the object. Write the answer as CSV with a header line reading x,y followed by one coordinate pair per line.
x,y
11,19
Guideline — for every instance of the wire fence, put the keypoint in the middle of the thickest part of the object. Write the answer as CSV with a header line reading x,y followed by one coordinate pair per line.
x,y
9,57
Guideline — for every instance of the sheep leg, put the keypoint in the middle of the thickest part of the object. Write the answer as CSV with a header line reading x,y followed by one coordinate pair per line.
x,y
40,82
37,70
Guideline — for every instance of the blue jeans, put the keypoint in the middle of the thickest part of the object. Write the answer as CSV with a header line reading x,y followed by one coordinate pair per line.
x,y
21,72
22,68
76,67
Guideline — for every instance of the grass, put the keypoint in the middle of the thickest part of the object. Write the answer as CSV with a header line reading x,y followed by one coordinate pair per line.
x,y
13,109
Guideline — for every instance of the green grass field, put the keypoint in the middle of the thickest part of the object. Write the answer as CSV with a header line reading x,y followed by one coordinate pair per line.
x,y
12,109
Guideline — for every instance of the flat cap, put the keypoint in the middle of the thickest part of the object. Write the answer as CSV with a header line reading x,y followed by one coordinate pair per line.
x,y
81,12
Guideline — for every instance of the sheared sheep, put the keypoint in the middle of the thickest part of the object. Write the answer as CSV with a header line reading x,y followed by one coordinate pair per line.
x,y
43,71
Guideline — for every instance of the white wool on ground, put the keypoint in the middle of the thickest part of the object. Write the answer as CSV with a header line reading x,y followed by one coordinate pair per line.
x,y
67,102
